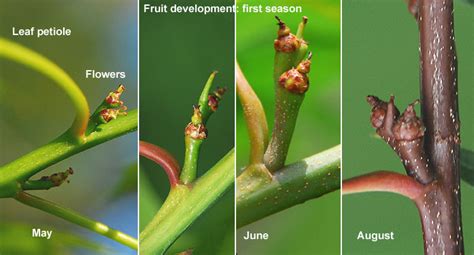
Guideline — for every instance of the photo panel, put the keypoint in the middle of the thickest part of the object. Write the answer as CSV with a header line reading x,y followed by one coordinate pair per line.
x,y
186,128
288,126
415,146
68,121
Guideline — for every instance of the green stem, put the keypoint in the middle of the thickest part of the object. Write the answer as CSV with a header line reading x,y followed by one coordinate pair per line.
x,y
301,27
191,156
37,185
59,149
185,204
294,184
193,144
287,105
203,99
74,217
27,57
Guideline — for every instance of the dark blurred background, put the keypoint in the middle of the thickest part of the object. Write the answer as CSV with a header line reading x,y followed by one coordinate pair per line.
x,y
177,54
312,227
33,111
380,57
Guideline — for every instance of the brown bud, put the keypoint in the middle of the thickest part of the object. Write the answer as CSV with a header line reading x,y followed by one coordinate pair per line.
x,y
213,102
58,178
408,127
294,81
196,131
413,7
215,98
219,92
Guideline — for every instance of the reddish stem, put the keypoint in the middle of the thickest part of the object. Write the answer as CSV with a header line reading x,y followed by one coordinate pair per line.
x,y
384,181
254,117
162,158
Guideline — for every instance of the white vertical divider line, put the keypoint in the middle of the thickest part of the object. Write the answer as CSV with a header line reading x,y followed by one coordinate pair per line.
x,y
235,129
138,125
340,123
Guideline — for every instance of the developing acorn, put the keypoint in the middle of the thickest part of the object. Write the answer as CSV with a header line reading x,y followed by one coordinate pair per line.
x,y
403,133
296,80
286,41
215,97
196,129
379,110
409,126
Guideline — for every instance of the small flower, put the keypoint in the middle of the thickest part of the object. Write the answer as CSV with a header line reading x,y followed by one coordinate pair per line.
x,y
113,99
106,115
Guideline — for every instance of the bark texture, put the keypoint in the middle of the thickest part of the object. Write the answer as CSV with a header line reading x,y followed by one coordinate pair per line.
x,y
440,207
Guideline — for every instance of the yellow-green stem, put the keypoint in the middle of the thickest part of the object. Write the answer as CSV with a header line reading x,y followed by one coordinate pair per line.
x,y
76,218
34,60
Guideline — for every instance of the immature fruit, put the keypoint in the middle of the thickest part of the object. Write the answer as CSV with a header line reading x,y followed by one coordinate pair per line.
x,y
379,111
404,134
408,127
286,41
296,80
196,129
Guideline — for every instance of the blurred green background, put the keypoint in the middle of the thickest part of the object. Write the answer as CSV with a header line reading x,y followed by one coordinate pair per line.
x,y
312,227
177,54
33,111
380,57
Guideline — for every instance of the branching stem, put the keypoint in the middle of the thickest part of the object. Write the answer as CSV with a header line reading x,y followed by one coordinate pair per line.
x,y
384,181
64,146
74,217
315,176
185,204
